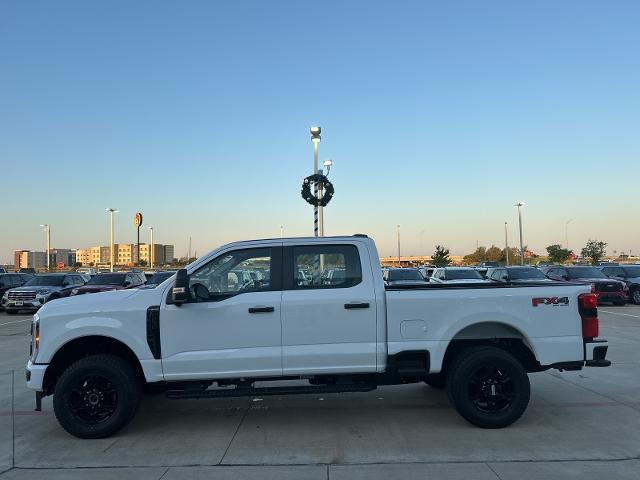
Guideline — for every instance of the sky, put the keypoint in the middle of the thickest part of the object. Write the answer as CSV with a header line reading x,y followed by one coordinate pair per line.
x,y
438,116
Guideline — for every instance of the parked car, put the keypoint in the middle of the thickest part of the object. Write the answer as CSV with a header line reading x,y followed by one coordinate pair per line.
x,y
605,288
157,278
40,290
397,277
629,274
457,275
87,271
517,274
427,271
104,282
9,281
203,340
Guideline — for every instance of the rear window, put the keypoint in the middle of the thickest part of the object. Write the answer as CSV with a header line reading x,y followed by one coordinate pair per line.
x,y
525,273
463,275
405,274
326,266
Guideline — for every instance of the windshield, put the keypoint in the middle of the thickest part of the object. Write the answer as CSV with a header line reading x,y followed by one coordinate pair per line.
x,y
632,271
585,272
45,281
404,274
107,279
463,275
525,273
159,277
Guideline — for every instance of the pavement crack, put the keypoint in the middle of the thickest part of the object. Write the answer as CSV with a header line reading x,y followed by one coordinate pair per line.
x,y
494,472
164,473
244,415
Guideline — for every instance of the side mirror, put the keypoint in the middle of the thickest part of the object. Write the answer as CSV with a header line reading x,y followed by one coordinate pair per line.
x,y
505,278
180,292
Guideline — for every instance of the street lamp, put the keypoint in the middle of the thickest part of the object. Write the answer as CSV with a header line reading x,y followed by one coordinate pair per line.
x,y
317,211
47,228
566,233
520,205
398,229
151,249
111,212
506,243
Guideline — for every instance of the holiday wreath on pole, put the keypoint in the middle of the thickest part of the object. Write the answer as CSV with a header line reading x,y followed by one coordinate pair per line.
x,y
327,189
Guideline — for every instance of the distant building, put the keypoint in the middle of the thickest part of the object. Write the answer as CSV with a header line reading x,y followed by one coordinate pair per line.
x,y
17,256
169,255
125,254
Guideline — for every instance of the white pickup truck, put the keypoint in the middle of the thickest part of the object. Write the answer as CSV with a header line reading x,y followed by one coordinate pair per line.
x,y
311,309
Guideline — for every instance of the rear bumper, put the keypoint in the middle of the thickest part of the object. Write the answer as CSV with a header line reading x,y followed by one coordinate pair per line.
x,y
595,353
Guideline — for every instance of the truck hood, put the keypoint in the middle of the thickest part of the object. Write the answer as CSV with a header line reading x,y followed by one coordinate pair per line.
x,y
101,302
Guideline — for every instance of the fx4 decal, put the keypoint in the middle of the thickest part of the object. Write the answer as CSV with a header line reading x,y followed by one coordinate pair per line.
x,y
550,301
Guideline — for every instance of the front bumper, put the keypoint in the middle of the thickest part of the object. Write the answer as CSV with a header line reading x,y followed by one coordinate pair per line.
x,y
31,305
35,375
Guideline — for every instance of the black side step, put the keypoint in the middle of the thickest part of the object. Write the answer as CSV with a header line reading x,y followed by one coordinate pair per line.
x,y
264,391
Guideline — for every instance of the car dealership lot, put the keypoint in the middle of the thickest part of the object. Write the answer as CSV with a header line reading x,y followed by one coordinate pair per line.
x,y
583,423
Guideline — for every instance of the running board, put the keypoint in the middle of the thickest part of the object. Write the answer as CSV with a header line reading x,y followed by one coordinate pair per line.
x,y
264,391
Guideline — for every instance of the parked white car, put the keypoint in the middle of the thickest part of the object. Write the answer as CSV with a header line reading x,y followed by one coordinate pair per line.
x,y
201,336
466,275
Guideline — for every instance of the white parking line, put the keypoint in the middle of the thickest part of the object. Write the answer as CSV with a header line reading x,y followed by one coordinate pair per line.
x,y
16,321
618,313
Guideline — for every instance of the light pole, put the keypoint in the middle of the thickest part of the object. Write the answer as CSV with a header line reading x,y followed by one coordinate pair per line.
x,y
566,233
506,243
315,138
151,249
520,205
47,228
281,231
111,212
398,228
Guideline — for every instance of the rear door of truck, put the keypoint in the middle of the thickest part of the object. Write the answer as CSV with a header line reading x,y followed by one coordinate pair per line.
x,y
328,309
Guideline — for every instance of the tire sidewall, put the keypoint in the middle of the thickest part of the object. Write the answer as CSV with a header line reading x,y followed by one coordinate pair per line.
x,y
635,296
128,399
458,388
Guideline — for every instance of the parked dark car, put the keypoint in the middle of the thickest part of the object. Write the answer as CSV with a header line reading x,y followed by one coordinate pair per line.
x,y
9,281
517,274
105,282
29,270
629,274
395,277
40,290
605,288
157,278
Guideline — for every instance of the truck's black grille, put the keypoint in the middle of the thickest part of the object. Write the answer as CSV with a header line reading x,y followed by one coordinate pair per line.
x,y
21,295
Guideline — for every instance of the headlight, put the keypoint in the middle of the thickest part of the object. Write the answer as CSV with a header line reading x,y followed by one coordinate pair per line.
x,y
35,337
42,292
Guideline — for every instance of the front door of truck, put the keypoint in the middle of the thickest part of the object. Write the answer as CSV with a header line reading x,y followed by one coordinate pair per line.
x,y
231,327
328,310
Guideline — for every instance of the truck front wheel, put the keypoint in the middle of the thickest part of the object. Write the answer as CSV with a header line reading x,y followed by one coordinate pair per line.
x,y
96,396
488,387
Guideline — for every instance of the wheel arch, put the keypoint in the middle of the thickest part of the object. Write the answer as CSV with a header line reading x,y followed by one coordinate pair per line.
x,y
496,334
85,346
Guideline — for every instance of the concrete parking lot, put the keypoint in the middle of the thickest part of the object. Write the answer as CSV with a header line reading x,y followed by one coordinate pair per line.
x,y
579,424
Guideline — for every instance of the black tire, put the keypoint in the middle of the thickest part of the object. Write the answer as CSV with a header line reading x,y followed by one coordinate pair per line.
x,y
436,380
96,396
635,296
488,387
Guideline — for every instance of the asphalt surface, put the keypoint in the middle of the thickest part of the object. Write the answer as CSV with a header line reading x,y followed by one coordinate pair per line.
x,y
579,425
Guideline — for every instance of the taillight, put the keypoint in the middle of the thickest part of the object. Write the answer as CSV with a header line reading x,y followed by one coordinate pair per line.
x,y
588,309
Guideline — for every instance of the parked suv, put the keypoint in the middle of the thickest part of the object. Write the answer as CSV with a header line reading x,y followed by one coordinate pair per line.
x,y
395,277
105,282
9,281
606,289
41,289
629,274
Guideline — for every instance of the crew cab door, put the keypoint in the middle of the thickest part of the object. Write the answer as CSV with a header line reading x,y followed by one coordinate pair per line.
x,y
230,327
328,310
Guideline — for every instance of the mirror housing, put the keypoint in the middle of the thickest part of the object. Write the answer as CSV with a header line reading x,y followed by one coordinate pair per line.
x,y
180,291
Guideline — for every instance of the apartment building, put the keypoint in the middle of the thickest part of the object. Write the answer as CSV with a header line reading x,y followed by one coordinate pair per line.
x,y
126,254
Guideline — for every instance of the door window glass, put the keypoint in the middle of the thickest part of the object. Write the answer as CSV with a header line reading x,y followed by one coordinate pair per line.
x,y
326,266
232,273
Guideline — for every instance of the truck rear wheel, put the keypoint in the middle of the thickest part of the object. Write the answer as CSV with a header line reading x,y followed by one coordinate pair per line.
x,y
488,387
96,396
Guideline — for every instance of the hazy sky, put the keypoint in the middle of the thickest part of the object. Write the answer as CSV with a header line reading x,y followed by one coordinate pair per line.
x,y
439,116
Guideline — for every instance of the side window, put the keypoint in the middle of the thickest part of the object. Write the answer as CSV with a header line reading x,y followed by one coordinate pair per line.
x,y
326,266
233,273
608,271
618,272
